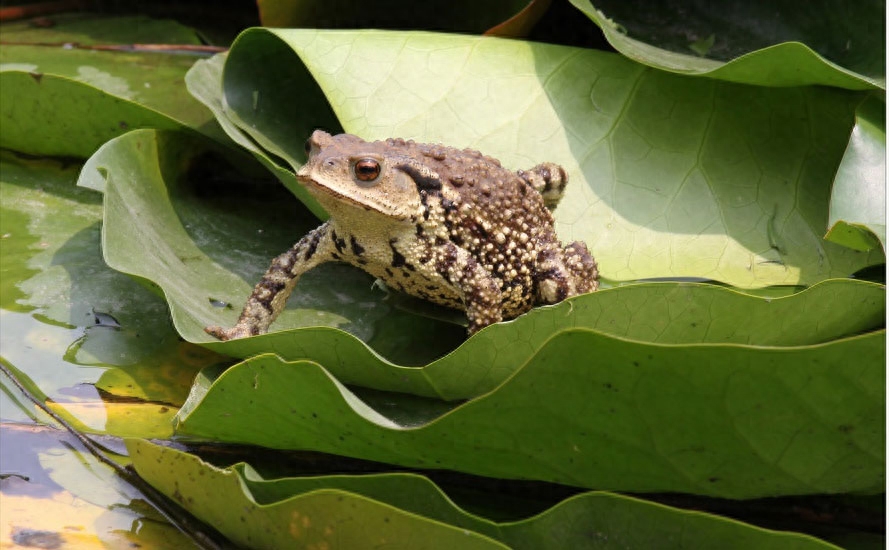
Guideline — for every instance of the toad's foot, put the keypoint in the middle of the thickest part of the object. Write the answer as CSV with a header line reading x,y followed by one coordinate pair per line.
x,y
224,334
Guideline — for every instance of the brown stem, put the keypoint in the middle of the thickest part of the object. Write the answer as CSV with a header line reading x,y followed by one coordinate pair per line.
x,y
40,8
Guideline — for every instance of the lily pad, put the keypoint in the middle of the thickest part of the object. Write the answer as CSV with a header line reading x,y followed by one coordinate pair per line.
x,y
95,344
326,518
80,29
858,200
409,510
202,247
671,175
592,410
754,42
62,100
204,80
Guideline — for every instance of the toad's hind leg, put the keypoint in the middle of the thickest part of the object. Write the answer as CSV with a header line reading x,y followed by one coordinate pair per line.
x,y
565,273
270,294
479,292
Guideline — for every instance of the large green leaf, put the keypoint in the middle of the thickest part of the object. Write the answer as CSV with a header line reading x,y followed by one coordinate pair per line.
x,y
202,247
596,411
671,175
95,344
858,200
283,512
67,101
204,80
321,519
770,43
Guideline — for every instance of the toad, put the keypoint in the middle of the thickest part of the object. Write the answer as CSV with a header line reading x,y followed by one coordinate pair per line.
x,y
443,224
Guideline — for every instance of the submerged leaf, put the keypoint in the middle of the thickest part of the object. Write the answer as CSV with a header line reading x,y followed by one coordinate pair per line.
x,y
126,379
67,101
591,410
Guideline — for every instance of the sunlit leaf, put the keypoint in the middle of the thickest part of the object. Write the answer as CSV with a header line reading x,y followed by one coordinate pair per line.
x,y
202,251
318,509
858,200
596,411
328,518
671,175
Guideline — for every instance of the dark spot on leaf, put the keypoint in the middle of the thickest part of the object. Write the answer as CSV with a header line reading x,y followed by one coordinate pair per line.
x,y
36,76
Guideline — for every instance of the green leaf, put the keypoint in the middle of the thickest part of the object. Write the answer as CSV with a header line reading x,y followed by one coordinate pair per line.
x,y
858,200
204,81
412,503
70,323
764,43
323,518
68,101
81,29
671,175
592,410
205,248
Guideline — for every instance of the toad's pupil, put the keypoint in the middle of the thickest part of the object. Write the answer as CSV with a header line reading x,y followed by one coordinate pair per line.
x,y
367,169
308,147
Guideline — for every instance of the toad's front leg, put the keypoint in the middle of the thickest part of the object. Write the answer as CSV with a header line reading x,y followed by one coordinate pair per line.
x,y
270,294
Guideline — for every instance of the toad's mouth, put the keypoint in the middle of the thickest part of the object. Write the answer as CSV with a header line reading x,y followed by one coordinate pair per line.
x,y
319,190
332,199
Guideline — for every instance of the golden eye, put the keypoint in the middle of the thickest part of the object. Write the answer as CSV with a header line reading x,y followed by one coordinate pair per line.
x,y
367,169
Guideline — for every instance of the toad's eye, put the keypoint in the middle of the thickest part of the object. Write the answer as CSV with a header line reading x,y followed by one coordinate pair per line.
x,y
367,170
308,147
